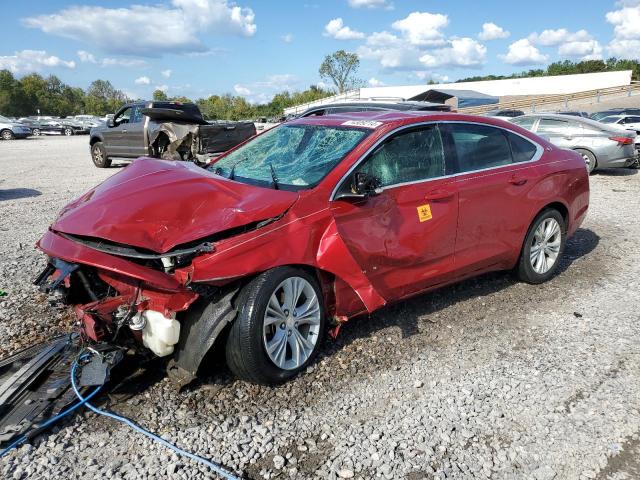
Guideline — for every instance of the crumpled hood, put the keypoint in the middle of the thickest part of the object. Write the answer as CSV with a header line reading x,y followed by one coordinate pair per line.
x,y
157,204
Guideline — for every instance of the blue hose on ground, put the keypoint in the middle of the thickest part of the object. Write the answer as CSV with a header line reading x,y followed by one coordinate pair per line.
x,y
24,438
85,401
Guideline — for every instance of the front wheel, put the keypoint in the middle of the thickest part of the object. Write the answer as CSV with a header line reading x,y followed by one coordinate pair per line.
x,y
543,247
68,131
279,326
35,132
99,155
7,135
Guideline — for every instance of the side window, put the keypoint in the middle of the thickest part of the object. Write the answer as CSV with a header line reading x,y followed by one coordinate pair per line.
x,y
633,119
136,114
407,156
522,149
551,126
525,122
479,146
316,113
123,117
574,129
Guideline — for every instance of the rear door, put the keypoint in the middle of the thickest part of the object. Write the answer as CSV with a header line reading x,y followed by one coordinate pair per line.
x,y
403,238
557,131
496,169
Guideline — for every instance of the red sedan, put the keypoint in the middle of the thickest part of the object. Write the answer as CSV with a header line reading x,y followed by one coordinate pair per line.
x,y
305,226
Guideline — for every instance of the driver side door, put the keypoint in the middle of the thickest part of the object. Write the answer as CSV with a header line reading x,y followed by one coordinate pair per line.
x,y
115,137
404,237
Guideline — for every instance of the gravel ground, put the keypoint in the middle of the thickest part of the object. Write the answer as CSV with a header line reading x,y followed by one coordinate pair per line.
x,y
486,379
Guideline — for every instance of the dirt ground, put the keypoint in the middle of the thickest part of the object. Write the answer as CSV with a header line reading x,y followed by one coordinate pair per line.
x,y
489,378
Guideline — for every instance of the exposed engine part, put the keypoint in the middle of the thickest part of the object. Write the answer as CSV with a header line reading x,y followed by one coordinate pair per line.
x,y
137,322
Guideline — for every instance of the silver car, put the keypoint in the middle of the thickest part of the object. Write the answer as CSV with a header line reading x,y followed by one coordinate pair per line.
x,y
601,145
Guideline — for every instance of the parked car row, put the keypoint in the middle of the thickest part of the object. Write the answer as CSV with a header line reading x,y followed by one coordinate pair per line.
x,y
23,127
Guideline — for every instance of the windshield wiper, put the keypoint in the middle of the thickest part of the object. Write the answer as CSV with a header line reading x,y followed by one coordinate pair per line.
x,y
274,177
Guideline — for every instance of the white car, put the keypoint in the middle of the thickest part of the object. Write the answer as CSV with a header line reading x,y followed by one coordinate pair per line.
x,y
628,122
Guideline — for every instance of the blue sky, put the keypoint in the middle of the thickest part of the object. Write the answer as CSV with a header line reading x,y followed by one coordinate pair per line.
x,y
257,48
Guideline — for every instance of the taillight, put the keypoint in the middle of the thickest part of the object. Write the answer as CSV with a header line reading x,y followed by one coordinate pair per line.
x,y
622,140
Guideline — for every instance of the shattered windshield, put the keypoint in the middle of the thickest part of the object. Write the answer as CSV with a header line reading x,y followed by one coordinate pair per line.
x,y
294,156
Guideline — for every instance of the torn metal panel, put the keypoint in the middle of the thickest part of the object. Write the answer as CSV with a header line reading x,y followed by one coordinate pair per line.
x,y
35,383
178,135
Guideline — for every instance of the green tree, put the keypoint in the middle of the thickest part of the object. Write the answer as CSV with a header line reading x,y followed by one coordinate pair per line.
x,y
102,98
160,96
340,67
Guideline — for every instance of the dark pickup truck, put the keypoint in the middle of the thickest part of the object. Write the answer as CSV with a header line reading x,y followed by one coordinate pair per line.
x,y
167,130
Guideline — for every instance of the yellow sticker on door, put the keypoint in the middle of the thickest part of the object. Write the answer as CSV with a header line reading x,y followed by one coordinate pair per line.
x,y
424,212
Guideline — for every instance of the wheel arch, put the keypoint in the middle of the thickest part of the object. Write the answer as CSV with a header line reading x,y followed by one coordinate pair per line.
x,y
94,139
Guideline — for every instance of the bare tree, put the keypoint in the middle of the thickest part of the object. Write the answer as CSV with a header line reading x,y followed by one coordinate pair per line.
x,y
340,67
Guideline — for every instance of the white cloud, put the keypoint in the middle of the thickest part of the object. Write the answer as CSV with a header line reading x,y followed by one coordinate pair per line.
x,y
158,29
551,38
626,31
461,52
370,4
587,50
427,76
390,51
142,81
27,61
374,82
422,28
522,52
491,31
122,62
336,29
263,91
287,38
240,90
166,73
86,57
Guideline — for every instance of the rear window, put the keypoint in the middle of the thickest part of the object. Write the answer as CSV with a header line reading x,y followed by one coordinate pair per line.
x,y
552,126
522,149
524,122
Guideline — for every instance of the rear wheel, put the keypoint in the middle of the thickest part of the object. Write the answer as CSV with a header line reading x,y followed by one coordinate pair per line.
x,y
279,326
99,155
589,159
7,135
68,131
35,132
543,247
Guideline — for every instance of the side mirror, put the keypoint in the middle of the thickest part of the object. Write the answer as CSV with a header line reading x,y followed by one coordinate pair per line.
x,y
110,123
362,185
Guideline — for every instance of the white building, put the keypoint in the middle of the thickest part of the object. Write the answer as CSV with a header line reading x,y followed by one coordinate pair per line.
x,y
530,86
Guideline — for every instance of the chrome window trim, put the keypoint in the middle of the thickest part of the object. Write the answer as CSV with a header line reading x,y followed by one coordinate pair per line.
x,y
535,158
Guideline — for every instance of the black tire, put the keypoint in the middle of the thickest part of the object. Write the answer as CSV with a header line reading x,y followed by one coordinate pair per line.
x,y
35,132
99,155
590,159
245,350
525,270
68,131
7,134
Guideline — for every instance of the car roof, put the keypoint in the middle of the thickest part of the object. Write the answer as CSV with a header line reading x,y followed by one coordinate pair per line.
x,y
393,117
566,118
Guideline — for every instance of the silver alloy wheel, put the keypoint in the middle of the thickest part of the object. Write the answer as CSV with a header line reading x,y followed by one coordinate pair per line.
x,y
97,155
36,132
587,161
68,132
7,135
291,323
545,246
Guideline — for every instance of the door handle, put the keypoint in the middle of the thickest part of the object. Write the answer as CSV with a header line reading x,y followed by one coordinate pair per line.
x,y
518,181
124,130
439,194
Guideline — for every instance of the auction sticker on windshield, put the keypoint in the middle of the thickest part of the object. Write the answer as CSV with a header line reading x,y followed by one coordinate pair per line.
x,y
362,123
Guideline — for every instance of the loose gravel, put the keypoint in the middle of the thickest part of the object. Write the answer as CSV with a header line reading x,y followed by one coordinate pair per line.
x,y
486,379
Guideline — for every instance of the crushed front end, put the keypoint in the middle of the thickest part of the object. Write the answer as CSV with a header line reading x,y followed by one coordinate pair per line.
x,y
119,294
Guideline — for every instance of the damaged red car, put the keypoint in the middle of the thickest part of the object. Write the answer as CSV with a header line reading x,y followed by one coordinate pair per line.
x,y
305,226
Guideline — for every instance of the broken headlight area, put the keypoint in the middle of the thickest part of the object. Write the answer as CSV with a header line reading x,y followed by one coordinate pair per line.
x,y
115,308
176,258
